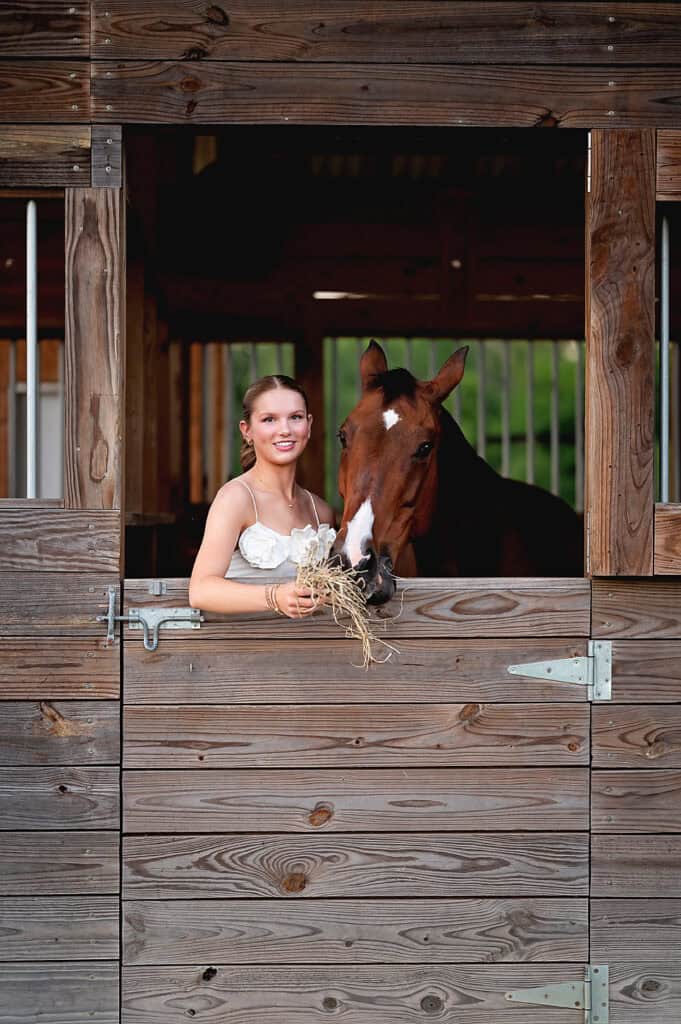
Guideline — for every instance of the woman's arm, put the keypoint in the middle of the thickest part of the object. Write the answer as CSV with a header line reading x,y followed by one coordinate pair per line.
x,y
208,588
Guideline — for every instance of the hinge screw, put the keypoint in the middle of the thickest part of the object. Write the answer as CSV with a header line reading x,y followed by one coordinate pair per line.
x,y
108,168
76,167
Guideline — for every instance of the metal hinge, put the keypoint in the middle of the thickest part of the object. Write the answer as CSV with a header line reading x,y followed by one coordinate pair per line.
x,y
150,620
590,996
594,671
588,162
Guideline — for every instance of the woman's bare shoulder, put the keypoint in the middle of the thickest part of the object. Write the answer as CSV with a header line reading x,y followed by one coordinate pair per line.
x,y
233,499
324,511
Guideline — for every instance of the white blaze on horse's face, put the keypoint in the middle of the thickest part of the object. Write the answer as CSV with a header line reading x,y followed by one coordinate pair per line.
x,y
358,532
390,418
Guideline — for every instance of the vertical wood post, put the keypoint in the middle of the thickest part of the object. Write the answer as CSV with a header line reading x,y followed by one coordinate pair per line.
x,y
309,372
95,349
620,362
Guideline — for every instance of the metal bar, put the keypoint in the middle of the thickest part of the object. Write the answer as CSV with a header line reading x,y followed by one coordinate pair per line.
x,y
410,354
529,415
555,418
481,438
279,350
676,419
32,354
12,422
62,415
664,361
506,408
228,400
253,360
579,427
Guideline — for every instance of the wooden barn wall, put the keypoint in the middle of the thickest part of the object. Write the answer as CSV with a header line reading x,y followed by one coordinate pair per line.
x,y
274,820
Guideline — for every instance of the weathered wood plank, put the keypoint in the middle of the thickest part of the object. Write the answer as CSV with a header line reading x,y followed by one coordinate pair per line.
x,y
355,735
354,931
71,732
639,991
667,540
422,32
205,92
359,800
647,736
312,671
620,324
54,91
43,156
669,165
59,928
294,866
41,28
646,671
645,865
45,993
380,994
425,607
47,669
625,930
636,609
636,801
59,798
78,863
94,346
59,540
48,604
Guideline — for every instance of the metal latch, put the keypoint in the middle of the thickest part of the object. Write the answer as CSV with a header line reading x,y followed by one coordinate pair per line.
x,y
590,996
594,671
150,620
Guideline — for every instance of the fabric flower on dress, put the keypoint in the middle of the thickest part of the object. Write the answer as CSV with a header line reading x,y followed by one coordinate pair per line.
x,y
310,544
262,547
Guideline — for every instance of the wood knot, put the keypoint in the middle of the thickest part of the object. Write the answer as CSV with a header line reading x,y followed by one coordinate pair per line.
x,y
329,1003
194,53
431,1004
320,815
626,351
190,85
650,985
209,973
469,712
295,882
217,16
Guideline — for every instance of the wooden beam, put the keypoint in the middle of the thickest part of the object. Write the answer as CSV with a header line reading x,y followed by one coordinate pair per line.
x,y
427,31
620,370
669,165
167,92
309,372
45,157
668,540
45,90
43,28
95,348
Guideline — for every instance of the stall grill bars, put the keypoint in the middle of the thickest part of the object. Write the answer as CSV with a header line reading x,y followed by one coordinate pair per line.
x,y
664,362
32,359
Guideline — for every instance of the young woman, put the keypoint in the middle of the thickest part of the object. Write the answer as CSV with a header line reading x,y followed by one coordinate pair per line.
x,y
263,521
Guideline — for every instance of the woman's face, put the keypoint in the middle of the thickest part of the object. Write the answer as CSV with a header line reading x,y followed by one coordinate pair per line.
x,y
279,426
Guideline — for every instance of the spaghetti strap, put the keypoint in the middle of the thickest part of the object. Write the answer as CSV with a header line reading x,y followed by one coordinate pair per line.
x,y
255,507
314,507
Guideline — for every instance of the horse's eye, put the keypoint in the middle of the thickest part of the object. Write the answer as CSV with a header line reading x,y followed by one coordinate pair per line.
x,y
423,450
341,437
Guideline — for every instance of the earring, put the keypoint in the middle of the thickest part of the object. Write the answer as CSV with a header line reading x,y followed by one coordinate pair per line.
x,y
249,444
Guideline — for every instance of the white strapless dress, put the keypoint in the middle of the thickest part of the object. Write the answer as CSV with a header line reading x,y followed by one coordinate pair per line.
x,y
279,554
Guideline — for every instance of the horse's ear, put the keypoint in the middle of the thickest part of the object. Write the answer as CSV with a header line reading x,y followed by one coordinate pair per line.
x,y
373,362
449,376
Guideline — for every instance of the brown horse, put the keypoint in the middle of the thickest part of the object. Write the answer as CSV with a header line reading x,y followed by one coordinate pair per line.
x,y
419,501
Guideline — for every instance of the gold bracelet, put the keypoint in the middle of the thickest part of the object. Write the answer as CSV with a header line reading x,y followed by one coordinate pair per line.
x,y
277,609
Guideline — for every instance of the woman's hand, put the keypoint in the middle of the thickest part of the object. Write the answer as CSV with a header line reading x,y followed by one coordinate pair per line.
x,y
294,601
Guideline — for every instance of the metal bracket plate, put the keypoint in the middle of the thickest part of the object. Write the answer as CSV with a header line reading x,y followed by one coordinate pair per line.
x,y
150,620
590,996
593,671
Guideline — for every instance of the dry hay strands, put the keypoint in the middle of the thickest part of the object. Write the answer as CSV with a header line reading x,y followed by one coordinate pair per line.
x,y
343,590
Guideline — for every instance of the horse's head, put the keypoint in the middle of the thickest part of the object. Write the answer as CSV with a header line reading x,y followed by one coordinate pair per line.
x,y
388,467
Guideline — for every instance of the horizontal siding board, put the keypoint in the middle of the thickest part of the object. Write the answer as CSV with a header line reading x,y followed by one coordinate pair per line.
x,y
640,864
643,991
338,800
204,92
428,607
424,32
667,558
641,609
201,670
51,863
636,736
59,732
669,165
355,931
59,798
58,156
49,993
646,671
358,735
59,540
48,604
636,801
622,929
295,866
59,928
53,91
43,28
54,668
381,994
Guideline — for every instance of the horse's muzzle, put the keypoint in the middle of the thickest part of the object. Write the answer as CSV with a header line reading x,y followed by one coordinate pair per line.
x,y
375,572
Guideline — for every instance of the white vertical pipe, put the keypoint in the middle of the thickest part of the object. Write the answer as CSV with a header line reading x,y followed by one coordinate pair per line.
x,y
32,356
664,362
579,428
676,418
529,416
481,439
62,417
12,421
555,421
506,408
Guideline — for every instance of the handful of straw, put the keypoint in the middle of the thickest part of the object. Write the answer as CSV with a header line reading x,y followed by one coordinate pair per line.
x,y
343,590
